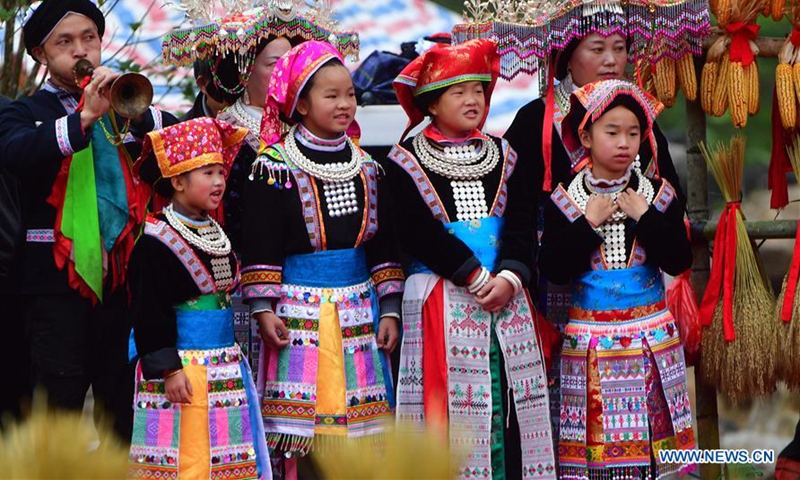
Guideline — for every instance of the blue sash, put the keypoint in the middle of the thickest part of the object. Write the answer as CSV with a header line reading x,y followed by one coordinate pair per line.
x,y
481,236
327,268
618,289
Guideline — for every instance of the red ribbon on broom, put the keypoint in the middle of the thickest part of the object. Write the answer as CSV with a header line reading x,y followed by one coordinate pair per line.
x,y
791,282
723,268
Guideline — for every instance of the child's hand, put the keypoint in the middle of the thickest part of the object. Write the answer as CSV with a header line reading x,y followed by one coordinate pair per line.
x,y
273,332
177,387
495,295
388,334
599,208
632,203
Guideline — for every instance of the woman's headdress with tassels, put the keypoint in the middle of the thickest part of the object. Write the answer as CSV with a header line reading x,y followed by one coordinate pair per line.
x,y
245,24
532,35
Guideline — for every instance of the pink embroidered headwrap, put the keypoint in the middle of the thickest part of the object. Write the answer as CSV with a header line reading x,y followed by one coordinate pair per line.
x,y
288,79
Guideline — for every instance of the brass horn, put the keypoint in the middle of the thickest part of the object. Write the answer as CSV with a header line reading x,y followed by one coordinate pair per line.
x,y
131,93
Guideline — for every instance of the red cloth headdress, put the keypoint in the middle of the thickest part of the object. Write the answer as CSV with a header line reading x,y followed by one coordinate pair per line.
x,y
445,66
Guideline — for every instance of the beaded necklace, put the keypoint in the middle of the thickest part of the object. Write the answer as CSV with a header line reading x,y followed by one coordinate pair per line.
x,y
613,230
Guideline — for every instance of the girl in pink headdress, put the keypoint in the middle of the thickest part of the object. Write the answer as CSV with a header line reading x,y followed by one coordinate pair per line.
x,y
320,273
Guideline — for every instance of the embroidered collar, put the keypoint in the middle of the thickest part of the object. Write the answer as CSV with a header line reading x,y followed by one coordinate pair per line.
x,y
189,222
601,185
69,100
433,133
304,136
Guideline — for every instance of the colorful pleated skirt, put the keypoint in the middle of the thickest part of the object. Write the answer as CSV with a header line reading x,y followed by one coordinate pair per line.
x,y
332,382
451,368
219,435
624,394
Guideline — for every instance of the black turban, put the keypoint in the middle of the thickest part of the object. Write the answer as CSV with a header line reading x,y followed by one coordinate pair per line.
x,y
50,13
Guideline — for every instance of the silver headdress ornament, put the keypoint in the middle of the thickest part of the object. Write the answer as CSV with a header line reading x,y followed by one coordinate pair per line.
x,y
528,31
520,28
234,27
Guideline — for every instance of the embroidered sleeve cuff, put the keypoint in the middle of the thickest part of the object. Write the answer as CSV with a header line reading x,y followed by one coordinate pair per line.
x,y
261,281
258,305
460,276
70,135
156,363
388,278
153,120
391,306
517,267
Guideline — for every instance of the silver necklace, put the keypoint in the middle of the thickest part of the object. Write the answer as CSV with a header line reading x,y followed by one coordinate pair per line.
x,y
470,199
458,163
216,244
331,173
613,230
243,118
341,198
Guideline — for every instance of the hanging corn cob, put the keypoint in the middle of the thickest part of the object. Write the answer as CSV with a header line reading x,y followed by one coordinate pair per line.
x,y
711,74
776,8
788,307
664,80
687,76
784,86
730,76
669,71
785,106
722,10
739,348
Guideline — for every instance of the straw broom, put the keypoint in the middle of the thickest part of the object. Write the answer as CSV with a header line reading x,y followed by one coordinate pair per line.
x,y
788,314
406,453
52,444
742,365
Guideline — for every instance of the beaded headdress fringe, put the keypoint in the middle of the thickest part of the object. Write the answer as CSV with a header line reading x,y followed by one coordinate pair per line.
x,y
655,28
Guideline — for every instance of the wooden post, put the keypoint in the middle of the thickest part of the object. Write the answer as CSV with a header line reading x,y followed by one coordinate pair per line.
x,y
698,211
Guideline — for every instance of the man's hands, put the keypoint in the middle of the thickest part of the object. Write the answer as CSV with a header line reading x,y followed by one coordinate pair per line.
x,y
97,96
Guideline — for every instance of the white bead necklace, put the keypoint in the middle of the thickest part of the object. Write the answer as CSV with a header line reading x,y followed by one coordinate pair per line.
x,y
613,230
220,266
470,199
216,245
333,172
460,162
340,198
244,118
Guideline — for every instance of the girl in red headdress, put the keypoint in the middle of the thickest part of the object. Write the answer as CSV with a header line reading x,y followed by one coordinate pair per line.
x,y
463,213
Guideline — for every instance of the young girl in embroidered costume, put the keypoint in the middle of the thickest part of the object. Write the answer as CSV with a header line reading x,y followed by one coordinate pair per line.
x,y
196,410
611,231
321,274
463,213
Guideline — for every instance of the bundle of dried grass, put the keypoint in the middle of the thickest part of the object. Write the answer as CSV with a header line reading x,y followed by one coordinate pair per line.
x,y
738,348
407,453
787,309
59,445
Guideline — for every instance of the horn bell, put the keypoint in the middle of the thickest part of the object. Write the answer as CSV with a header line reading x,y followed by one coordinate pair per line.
x,y
131,95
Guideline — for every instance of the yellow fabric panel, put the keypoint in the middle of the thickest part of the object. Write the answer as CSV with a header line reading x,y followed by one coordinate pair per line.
x,y
194,460
331,385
